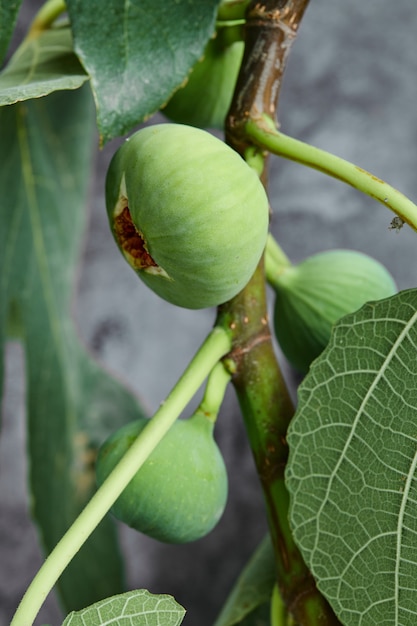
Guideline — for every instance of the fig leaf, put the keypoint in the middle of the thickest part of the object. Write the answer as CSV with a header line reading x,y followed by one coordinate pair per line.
x,y
41,65
135,607
124,47
72,403
253,589
352,466
9,10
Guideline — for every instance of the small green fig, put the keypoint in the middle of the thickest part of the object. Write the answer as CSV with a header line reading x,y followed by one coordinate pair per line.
x,y
190,216
205,98
313,295
180,492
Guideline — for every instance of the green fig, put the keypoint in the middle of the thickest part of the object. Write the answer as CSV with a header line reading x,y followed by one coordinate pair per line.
x,y
180,492
313,295
189,215
205,98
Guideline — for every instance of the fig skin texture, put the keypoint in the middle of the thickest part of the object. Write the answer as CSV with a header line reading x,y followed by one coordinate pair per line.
x,y
180,492
188,213
313,295
207,95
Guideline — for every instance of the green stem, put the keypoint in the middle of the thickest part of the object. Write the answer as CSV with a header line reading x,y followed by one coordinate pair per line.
x,y
232,10
275,260
216,345
278,609
255,158
46,16
264,134
212,400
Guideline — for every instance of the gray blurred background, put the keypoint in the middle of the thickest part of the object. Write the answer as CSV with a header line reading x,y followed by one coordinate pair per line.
x,y
350,88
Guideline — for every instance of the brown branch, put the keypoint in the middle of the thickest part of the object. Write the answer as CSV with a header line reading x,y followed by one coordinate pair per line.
x,y
271,28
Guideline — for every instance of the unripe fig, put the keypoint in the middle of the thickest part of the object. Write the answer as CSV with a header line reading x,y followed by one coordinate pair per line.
x,y
205,98
316,293
189,215
180,492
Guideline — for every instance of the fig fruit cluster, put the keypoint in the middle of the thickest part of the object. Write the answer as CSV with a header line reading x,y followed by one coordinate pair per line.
x,y
313,295
180,492
205,98
189,215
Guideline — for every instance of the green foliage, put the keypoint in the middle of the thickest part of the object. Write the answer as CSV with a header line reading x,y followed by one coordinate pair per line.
x,y
9,10
173,223
72,403
41,65
134,607
180,492
352,466
126,46
251,594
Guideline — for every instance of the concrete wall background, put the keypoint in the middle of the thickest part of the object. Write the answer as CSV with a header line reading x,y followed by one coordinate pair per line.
x,y
351,88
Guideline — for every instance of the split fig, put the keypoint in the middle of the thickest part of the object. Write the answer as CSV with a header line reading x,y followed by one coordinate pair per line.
x,y
313,295
205,98
180,492
189,215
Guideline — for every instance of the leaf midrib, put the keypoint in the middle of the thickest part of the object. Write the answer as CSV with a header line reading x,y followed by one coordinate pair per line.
x,y
39,247
392,352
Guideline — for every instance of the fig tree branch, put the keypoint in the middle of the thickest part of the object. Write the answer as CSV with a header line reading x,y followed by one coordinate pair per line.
x,y
261,390
271,28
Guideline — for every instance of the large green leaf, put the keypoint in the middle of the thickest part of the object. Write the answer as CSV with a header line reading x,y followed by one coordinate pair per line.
x,y
139,608
352,471
9,10
41,65
45,156
137,53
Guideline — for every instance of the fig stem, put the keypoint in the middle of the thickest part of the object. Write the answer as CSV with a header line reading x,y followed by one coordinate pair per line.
x,y
232,10
264,135
278,611
213,397
275,260
45,17
216,345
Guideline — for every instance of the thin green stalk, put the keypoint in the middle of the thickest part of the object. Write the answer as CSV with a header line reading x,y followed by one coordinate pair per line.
x,y
46,16
232,10
263,133
213,397
216,345
279,616
275,260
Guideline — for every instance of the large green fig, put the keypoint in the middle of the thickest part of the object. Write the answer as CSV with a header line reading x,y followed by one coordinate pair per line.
x,y
188,213
316,293
205,98
180,492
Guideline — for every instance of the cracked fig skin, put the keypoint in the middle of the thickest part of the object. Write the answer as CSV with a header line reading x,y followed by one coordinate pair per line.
x,y
180,492
189,215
